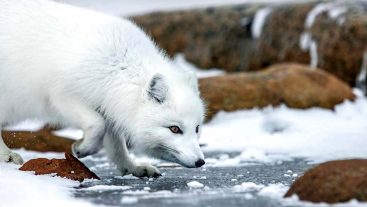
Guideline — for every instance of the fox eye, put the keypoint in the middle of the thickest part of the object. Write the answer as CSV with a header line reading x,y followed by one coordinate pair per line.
x,y
197,129
175,129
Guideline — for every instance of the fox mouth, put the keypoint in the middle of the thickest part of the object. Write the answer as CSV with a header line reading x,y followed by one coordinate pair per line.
x,y
169,154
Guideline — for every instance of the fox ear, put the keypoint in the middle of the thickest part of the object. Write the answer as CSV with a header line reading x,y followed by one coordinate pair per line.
x,y
158,89
193,81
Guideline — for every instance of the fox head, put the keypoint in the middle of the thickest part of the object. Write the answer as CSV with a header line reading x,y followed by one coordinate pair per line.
x,y
169,120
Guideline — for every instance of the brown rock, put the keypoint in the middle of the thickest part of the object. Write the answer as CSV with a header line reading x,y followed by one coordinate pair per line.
x,y
42,140
70,168
297,86
333,182
220,37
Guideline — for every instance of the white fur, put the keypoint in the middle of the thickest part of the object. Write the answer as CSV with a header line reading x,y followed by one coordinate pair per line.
x,y
71,66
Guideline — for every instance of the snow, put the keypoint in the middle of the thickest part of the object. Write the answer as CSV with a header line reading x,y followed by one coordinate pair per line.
x,y
195,184
106,188
180,62
335,12
259,21
247,187
27,125
315,134
313,54
361,78
71,133
129,200
305,41
20,188
316,11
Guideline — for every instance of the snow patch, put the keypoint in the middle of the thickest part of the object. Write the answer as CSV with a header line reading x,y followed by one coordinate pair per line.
x,y
361,78
27,125
336,12
316,11
20,188
305,41
180,62
248,187
313,54
195,184
129,200
315,134
71,133
259,21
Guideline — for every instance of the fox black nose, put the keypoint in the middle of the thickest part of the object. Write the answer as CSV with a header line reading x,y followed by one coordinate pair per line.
x,y
199,163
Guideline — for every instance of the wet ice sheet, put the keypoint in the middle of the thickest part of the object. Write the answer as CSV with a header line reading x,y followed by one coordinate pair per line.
x,y
261,185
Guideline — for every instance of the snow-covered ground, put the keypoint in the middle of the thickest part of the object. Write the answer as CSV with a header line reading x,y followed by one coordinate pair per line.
x,y
18,188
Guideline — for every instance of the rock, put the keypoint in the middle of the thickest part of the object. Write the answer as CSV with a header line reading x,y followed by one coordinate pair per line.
x,y
222,37
208,38
70,168
333,182
42,140
295,85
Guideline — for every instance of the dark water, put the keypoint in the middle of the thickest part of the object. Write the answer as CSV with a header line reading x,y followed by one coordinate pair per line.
x,y
172,190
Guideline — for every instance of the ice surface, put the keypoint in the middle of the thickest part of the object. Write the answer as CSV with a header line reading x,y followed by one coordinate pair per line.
x,y
259,21
106,188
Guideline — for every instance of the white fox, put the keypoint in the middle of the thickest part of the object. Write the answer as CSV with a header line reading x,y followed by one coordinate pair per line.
x,y
74,67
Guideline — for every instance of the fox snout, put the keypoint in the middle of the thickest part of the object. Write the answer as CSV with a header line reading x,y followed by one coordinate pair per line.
x,y
199,163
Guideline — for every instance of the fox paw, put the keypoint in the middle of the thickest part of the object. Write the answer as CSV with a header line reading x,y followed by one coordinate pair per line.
x,y
81,149
146,171
11,157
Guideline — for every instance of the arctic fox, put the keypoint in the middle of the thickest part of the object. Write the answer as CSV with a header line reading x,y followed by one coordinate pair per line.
x,y
75,67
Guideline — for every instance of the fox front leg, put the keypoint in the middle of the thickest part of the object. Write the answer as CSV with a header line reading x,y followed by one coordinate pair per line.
x,y
117,150
77,113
